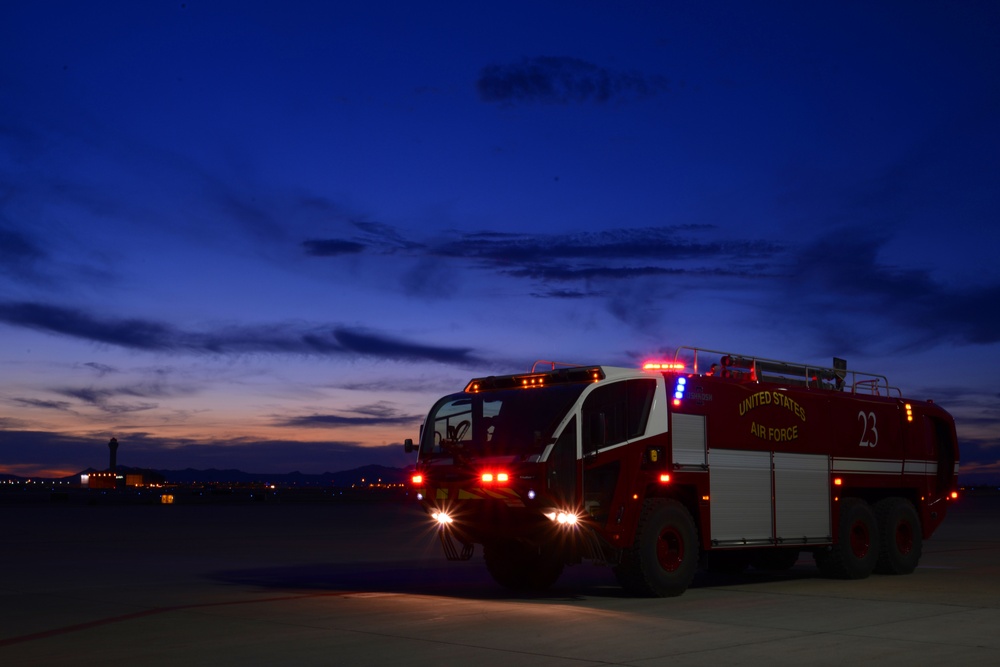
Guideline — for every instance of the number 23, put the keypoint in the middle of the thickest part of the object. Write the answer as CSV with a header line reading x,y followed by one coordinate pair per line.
x,y
869,433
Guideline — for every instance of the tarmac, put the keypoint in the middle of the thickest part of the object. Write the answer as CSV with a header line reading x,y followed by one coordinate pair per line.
x,y
349,583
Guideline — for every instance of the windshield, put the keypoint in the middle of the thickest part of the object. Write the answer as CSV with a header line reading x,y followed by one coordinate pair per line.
x,y
497,423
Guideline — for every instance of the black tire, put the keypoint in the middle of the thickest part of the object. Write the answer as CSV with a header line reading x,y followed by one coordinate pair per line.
x,y
664,557
774,560
856,552
900,536
521,567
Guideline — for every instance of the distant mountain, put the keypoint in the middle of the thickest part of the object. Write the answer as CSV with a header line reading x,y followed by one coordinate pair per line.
x,y
370,474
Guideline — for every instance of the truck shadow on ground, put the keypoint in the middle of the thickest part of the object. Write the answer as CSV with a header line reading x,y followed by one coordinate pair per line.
x,y
468,580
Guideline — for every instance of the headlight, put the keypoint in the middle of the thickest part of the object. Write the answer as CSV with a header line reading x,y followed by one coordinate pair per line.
x,y
562,517
442,518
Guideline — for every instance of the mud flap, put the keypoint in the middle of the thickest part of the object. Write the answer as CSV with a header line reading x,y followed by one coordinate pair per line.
x,y
450,552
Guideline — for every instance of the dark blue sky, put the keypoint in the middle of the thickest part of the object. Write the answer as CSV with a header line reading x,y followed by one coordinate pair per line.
x,y
267,235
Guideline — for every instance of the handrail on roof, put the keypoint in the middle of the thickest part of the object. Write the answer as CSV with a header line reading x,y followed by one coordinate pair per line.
x,y
552,365
759,369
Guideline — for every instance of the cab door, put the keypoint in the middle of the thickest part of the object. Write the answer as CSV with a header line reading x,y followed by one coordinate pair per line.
x,y
611,416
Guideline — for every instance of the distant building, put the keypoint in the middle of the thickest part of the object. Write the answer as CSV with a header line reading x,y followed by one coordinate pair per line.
x,y
124,478
101,480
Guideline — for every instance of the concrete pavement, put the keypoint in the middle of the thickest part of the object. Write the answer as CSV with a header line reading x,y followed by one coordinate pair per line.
x,y
366,584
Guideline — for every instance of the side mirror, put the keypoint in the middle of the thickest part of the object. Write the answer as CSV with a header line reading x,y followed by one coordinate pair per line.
x,y
408,445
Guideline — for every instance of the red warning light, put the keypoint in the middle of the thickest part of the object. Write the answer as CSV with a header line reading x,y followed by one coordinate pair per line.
x,y
495,478
417,479
662,366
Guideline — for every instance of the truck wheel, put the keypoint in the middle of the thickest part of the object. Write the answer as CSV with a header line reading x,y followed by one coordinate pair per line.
x,y
900,537
664,557
522,567
856,552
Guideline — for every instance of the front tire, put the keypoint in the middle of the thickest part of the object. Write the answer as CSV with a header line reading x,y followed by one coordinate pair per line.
x,y
664,557
901,538
857,549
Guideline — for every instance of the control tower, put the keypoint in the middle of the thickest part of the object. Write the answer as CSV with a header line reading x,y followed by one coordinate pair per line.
x,y
113,446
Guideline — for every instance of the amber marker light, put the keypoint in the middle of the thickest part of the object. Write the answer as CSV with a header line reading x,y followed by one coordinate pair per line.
x,y
838,481
953,495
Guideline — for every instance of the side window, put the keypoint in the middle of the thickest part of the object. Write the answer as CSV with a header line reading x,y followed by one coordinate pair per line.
x,y
562,465
616,412
640,402
604,417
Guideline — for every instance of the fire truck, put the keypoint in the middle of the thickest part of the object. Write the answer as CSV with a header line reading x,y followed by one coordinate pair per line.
x,y
709,460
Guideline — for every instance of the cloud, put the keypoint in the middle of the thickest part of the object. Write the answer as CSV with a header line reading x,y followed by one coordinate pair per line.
x,y
619,254
47,405
374,345
100,369
840,280
19,255
661,243
104,398
153,336
378,414
562,80
129,333
331,247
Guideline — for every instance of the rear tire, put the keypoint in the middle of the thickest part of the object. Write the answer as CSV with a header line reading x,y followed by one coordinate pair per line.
x,y
522,567
664,557
857,549
900,535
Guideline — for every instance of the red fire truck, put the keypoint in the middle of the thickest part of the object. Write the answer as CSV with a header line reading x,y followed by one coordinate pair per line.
x,y
712,459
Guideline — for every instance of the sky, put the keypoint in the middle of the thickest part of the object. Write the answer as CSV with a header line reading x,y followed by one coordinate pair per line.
x,y
268,235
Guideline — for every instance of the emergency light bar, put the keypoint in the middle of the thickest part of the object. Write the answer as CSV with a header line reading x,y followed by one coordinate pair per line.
x,y
536,380
662,366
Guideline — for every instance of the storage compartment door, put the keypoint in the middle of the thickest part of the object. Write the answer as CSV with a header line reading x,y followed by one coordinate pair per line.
x,y
802,498
740,497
